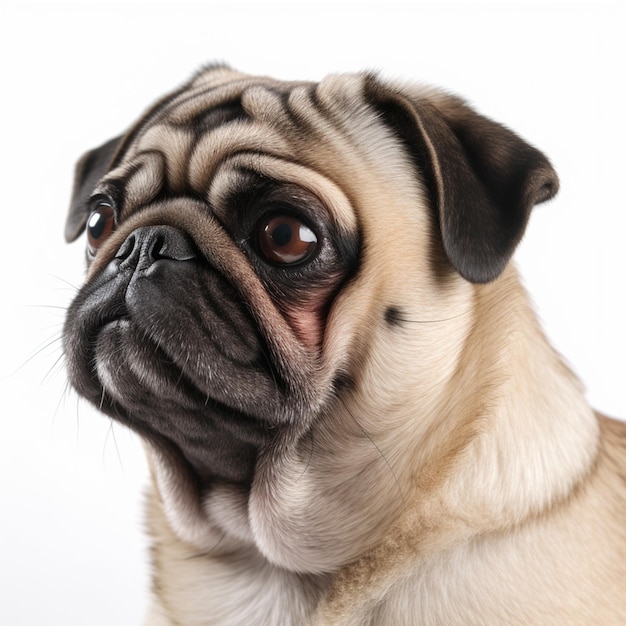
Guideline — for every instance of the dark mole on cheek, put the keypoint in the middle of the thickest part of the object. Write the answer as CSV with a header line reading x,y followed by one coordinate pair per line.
x,y
393,316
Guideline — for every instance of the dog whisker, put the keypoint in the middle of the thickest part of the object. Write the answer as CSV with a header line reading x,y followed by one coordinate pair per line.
x,y
308,463
57,307
179,380
207,553
75,288
38,352
382,455
404,320
53,369
102,397
111,433
65,393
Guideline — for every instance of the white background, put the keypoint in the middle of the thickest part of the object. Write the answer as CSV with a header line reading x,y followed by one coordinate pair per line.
x,y
72,549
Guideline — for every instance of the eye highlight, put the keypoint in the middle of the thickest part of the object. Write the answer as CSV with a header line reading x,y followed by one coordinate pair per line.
x,y
285,240
100,225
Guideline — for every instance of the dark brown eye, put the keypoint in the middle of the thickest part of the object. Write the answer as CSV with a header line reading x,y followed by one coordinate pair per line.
x,y
285,240
100,225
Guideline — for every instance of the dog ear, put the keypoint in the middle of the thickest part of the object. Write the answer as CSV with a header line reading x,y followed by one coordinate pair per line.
x,y
483,179
89,170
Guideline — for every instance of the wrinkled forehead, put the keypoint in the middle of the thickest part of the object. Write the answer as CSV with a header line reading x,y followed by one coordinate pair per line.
x,y
194,141
211,115
223,112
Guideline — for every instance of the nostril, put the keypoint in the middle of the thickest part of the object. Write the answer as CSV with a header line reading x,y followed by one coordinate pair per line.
x,y
157,246
148,244
126,249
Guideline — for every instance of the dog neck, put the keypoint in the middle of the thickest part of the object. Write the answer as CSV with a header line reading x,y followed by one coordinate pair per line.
x,y
533,405
513,439
528,402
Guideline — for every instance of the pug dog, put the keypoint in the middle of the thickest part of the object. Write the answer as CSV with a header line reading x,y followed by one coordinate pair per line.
x,y
300,296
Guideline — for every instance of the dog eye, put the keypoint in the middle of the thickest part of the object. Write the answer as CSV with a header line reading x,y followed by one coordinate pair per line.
x,y
100,225
285,240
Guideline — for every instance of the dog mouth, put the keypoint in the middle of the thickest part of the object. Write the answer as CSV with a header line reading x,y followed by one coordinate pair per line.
x,y
172,352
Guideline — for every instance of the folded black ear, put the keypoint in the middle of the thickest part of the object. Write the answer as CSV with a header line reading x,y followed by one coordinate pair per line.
x,y
483,179
89,170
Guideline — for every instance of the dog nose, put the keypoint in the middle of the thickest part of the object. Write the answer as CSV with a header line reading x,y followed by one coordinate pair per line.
x,y
148,244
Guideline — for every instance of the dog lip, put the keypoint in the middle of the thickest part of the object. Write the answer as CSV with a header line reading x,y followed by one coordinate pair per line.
x,y
107,316
117,336
194,318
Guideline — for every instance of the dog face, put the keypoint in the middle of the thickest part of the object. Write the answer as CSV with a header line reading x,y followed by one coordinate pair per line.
x,y
261,255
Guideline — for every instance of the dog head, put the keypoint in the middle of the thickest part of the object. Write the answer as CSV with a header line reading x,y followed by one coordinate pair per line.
x,y
256,252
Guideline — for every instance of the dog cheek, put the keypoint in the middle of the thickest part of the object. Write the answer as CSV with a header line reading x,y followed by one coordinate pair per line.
x,y
306,312
306,324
